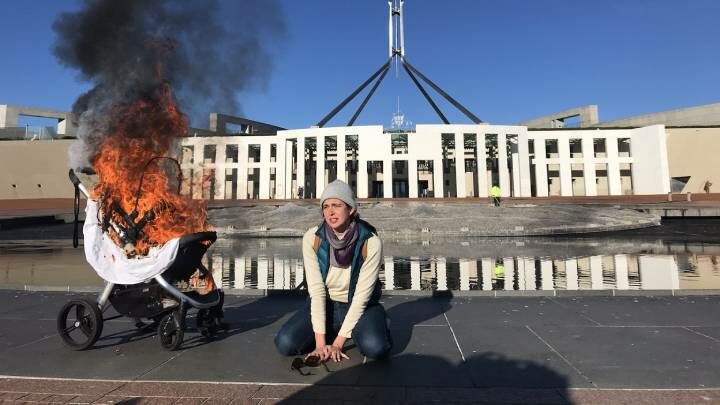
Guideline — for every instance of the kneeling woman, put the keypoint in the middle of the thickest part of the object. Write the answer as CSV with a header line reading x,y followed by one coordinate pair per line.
x,y
342,260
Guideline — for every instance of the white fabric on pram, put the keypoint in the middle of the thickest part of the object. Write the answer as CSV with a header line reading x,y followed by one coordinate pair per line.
x,y
110,261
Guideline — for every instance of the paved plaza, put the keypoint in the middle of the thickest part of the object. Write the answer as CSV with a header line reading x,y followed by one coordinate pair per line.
x,y
582,349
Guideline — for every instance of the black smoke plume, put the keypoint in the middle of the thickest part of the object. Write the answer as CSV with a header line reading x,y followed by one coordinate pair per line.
x,y
207,50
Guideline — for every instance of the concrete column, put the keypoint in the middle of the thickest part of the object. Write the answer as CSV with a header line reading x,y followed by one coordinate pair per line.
x,y
509,265
219,172
621,272
541,175
239,273
571,274
198,169
524,165
242,191
8,116
341,158
289,190
438,178
320,165
503,172
441,274
389,273
566,188
596,273
415,273
362,178
546,274
614,184
388,178
265,171
483,186
263,272
515,158
412,179
589,165
460,165
465,265
300,170
488,268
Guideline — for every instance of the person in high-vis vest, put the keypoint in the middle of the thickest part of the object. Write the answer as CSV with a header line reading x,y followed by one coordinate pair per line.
x,y
342,258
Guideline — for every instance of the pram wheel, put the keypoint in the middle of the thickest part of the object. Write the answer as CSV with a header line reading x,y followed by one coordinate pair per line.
x,y
170,331
80,324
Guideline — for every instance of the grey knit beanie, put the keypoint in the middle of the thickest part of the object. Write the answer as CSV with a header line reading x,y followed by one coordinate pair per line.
x,y
340,190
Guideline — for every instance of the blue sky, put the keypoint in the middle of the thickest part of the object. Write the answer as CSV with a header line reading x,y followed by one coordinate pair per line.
x,y
506,60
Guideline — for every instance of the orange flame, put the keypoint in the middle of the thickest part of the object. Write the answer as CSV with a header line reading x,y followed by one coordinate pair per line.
x,y
140,132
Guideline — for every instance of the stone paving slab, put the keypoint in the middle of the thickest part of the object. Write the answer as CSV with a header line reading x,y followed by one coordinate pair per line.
x,y
520,350
646,357
13,390
644,311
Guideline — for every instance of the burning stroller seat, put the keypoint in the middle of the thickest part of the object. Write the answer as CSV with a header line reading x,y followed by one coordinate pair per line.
x,y
142,287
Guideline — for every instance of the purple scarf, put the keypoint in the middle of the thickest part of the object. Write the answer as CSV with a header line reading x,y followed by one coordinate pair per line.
x,y
341,250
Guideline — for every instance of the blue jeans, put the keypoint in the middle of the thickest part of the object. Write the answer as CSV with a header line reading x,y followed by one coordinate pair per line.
x,y
370,334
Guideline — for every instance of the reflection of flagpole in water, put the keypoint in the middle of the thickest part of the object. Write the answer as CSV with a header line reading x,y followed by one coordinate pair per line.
x,y
415,273
262,270
546,274
509,265
596,272
488,266
571,274
239,273
389,273
621,272
441,274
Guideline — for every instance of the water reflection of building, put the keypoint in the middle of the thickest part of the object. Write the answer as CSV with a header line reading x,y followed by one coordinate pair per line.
x,y
599,272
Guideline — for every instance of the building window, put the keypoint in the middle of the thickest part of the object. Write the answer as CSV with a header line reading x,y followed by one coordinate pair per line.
x,y
253,153
399,144
551,149
576,148
209,154
623,147
599,147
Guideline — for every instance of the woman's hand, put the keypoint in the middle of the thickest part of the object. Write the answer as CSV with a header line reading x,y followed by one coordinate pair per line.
x,y
320,352
335,353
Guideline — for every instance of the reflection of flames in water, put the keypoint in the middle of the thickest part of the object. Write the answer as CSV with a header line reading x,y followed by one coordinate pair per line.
x,y
139,132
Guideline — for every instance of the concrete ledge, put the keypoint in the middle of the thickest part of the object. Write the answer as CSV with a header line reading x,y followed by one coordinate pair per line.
x,y
254,292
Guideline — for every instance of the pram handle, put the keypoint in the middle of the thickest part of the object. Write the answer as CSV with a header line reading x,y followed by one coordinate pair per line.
x,y
198,237
77,183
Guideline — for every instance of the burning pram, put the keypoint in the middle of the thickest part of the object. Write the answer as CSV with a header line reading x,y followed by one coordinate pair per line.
x,y
144,287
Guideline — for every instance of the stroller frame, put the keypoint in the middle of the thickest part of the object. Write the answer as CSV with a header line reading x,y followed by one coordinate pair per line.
x,y
170,320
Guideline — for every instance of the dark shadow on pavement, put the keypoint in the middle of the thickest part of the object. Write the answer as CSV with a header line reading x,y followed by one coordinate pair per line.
x,y
403,317
485,378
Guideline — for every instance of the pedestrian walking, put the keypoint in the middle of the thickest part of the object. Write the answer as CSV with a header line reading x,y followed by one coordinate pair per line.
x,y
495,194
707,186
342,258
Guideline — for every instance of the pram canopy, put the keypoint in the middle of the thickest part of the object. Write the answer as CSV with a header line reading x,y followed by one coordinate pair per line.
x,y
110,261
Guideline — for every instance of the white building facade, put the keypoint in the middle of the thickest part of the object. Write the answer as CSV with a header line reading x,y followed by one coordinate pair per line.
x,y
431,161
